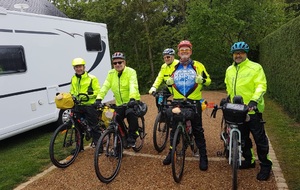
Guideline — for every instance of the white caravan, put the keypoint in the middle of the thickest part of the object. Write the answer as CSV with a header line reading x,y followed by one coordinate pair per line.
x,y
36,52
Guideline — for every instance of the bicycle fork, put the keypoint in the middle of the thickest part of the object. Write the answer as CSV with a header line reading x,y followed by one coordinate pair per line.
x,y
234,129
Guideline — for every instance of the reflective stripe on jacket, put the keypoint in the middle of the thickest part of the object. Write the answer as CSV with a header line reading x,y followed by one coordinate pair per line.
x,y
82,84
248,80
124,87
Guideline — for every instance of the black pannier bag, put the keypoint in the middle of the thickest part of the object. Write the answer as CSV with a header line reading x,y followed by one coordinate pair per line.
x,y
235,113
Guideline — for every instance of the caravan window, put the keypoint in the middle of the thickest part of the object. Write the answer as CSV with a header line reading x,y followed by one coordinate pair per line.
x,y
93,41
12,59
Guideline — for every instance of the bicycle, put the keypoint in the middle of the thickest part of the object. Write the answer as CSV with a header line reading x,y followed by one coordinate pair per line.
x,y
234,115
161,127
182,112
109,149
67,140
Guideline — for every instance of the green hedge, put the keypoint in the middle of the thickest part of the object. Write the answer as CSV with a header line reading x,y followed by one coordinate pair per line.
x,y
280,57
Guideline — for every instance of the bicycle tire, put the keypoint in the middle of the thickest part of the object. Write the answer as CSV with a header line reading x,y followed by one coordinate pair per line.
x,y
235,159
139,143
178,155
65,145
160,133
108,156
226,144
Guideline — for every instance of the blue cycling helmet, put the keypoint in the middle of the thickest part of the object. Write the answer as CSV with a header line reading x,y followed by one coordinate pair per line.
x,y
118,55
169,51
238,46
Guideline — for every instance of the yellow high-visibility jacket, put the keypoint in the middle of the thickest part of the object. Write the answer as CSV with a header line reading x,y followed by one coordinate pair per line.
x,y
124,86
84,84
248,80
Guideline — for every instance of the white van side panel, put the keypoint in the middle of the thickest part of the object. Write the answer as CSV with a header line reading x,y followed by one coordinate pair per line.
x,y
49,43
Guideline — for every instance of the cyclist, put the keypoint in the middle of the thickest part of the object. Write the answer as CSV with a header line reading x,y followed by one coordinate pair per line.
x,y
83,82
122,81
165,71
187,81
247,79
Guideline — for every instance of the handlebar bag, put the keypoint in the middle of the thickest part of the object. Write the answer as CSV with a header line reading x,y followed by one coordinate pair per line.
x,y
187,113
64,100
235,113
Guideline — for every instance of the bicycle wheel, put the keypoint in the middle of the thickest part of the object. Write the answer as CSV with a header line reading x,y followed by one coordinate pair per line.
x,y
65,145
108,156
178,155
141,135
235,159
160,133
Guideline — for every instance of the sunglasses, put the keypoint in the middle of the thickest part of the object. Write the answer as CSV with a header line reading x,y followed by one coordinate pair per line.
x,y
167,57
184,50
119,62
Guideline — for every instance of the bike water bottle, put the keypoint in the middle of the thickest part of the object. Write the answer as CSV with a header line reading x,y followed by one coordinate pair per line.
x,y
188,127
160,99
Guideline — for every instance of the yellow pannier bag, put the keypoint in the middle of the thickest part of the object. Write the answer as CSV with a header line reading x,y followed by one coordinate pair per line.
x,y
107,115
64,100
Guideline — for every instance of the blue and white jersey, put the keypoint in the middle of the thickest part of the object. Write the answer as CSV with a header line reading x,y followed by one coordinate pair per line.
x,y
184,78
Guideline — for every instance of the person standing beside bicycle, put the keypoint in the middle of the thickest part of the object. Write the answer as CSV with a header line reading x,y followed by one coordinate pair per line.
x,y
187,80
122,81
83,82
247,79
165,71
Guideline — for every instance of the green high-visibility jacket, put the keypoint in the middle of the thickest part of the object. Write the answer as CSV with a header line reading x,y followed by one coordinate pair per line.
x,y
124,86
164,73
84,84
248,80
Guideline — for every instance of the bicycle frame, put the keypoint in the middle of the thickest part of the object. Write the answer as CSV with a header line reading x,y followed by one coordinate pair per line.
x,y
67,140
161,125
182,136
234,115
109,150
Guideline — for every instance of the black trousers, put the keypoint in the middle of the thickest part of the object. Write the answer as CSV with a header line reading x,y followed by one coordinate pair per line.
x,y
132,119
256,128
91,116
198,131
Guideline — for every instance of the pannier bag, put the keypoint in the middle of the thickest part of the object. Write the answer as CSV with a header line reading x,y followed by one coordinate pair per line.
x,y
64,100
235,113
107,115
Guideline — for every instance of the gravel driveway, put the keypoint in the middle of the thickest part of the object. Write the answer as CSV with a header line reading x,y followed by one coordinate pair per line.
x,y
144,170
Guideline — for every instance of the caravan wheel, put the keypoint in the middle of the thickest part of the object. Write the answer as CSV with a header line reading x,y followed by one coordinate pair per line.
x,y
63,116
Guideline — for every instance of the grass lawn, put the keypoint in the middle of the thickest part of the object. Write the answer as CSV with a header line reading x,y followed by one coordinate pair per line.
x,y
284,134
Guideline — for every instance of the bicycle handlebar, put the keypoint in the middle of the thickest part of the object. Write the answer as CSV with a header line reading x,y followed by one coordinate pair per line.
x,y
155,94
82,97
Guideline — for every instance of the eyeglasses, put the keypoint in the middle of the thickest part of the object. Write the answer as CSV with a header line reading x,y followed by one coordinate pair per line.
x,y
167,57
119,62
239,53
184,50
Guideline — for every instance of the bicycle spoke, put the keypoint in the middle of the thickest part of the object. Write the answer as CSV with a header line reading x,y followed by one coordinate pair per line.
x,y
64,145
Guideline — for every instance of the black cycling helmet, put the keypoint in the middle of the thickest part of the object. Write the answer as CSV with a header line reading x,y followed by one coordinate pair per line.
x,y
118,55
140,109
169,51
239,46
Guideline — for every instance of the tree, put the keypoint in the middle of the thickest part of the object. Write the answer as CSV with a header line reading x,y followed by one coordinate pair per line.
x,y
216,24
